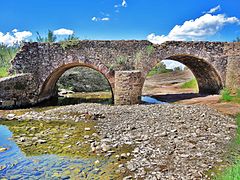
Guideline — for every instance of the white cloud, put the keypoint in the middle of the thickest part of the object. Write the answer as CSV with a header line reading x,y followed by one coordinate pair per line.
x,y
100,19
63,32
20,36
14,30
124,3
170,64
15,37
215,9
197,29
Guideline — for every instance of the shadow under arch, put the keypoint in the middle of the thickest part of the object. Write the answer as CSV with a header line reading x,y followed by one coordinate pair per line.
x,y
48,89
208,79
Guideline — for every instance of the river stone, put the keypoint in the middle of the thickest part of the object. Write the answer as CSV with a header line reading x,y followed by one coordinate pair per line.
x,y
105,147
10,116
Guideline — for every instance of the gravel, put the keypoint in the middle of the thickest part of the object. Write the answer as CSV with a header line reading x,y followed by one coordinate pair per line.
x,y
170,141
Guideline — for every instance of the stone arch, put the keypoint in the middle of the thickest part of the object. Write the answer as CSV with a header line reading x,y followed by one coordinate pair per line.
x,y
48,88
208,78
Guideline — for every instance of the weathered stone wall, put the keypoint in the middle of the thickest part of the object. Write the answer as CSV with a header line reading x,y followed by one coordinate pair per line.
x,y
128,87
17,90
233,67
214,64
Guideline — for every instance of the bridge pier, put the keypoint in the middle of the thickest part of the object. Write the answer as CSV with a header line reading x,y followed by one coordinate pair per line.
x,y
233,73
128,87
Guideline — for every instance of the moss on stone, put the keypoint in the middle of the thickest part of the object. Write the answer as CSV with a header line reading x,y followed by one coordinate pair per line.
x,y
149,50
69,44
69,139
52,137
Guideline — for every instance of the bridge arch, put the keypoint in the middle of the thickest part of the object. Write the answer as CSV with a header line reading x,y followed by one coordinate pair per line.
x,y
48,88
208,78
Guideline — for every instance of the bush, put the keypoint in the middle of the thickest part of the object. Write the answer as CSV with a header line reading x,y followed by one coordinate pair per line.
x,y
228,97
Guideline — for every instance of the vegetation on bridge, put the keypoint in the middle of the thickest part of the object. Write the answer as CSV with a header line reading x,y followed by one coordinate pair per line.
x,y
6,54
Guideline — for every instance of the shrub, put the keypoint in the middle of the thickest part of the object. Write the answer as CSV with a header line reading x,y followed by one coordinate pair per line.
x,y
226,95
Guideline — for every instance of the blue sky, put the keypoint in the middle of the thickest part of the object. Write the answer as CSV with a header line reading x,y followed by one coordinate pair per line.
x,y
155,20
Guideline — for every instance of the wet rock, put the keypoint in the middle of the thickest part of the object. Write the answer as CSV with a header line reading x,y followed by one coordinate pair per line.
x,y
97,162
2,167
2,149
41,141
87,129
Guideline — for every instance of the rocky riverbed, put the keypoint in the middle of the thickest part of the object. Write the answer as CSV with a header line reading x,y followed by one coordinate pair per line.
x,y
167,141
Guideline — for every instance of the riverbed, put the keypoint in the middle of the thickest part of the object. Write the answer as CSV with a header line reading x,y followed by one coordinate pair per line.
x,y
142,141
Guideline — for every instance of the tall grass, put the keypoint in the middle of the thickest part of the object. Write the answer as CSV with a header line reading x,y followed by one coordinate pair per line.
x,y
6,54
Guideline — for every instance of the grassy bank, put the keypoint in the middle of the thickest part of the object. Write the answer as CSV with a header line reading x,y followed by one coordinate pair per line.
x,y
232,172
192,84
226,96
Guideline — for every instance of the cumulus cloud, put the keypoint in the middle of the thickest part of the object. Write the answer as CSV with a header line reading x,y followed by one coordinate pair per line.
x,y
197,29
15,37
215,9
100,19
63,32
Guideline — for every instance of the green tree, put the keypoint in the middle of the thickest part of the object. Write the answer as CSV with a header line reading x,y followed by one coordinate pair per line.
x,y
177,69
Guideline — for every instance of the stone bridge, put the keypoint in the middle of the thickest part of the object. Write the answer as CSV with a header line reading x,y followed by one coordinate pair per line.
x,y
125,64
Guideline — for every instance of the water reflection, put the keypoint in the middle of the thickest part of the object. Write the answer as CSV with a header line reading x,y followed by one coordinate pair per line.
x,y
151,100
78,98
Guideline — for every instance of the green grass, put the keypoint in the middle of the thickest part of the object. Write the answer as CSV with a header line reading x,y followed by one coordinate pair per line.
x,y
155,71
226,96
3,72
6,54
233,171
190,84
